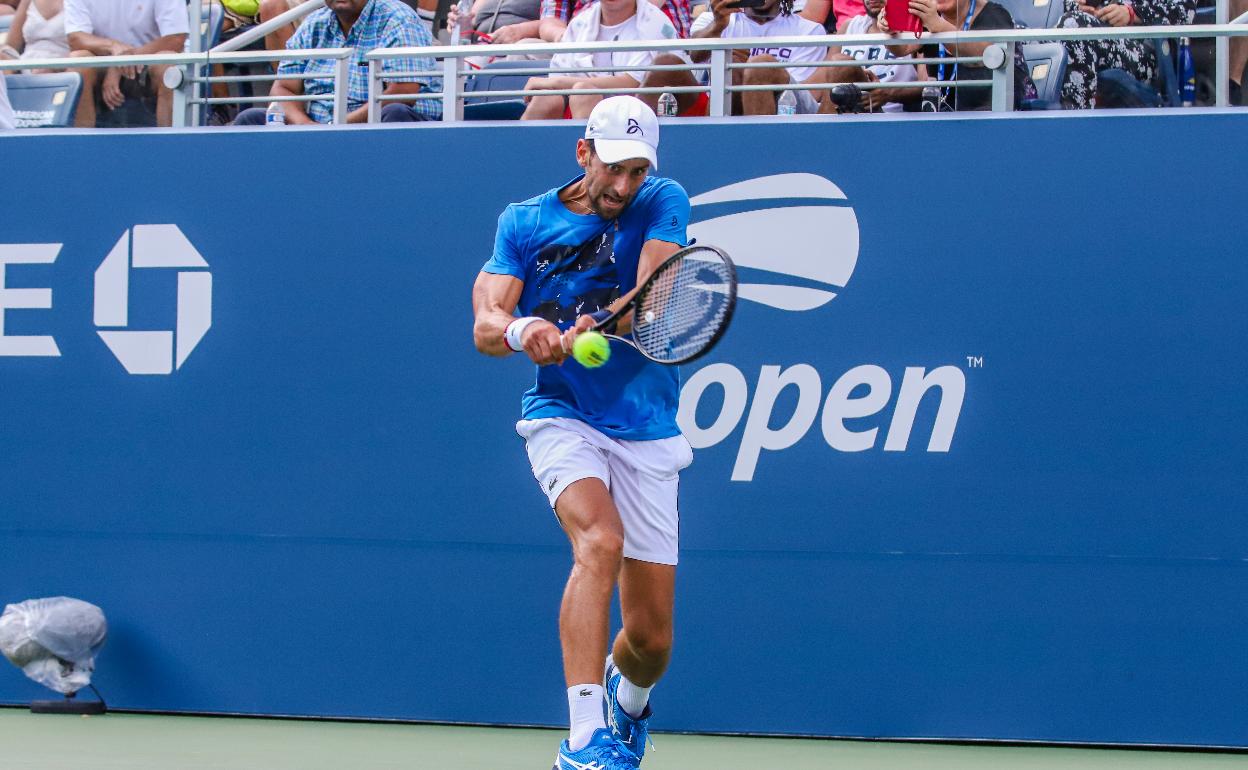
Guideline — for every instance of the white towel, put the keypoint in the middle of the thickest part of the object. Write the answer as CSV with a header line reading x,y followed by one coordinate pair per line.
x,y
652,24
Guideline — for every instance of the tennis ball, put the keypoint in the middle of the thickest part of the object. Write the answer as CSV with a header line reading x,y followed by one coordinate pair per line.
x,y
591,349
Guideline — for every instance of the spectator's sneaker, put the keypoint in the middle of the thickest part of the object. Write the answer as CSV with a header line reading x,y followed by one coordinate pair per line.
x,y
633,733
603,752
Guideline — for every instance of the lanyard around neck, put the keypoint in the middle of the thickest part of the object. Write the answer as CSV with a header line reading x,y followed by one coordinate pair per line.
x,y
966,25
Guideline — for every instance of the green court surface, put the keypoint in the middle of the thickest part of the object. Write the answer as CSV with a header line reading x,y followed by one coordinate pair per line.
x,y
141,742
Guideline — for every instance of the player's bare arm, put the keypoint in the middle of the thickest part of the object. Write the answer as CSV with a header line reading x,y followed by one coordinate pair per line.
x,y
494,299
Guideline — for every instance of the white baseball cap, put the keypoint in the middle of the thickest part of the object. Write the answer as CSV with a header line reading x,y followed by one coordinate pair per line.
x,y
622,128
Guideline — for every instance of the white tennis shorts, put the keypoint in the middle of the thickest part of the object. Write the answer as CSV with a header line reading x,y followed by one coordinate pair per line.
x,y
642,476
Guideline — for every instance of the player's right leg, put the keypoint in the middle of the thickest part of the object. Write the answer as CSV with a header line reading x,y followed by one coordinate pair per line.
x,y
589,517
573,473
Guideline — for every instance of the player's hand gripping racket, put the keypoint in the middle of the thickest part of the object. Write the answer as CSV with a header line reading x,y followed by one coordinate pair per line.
x,y
683,308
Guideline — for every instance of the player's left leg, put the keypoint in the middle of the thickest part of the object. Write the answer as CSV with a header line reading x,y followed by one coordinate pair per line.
x,y
641,651
645,483
643,647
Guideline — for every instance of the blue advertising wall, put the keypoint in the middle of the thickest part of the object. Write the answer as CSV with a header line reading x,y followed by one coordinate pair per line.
x,y
969,463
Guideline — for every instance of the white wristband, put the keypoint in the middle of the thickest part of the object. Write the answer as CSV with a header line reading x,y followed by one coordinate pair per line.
x,y
515,331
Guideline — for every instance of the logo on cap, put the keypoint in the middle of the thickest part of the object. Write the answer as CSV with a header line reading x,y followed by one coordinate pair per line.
x,y
634,127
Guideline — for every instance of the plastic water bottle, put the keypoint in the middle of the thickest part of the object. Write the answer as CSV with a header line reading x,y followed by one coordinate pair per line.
x,y
787,104
463,22
275,115
667,106
1187,72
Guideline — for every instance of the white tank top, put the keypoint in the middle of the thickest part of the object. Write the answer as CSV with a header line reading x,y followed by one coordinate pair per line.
x,y
45,38
887,73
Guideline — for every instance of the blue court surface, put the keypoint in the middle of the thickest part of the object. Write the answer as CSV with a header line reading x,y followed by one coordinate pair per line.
x,y
140,742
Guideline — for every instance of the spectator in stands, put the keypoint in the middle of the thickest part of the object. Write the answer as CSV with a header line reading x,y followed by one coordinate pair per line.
x,y
1088,57
832,14
556,15
7,121
775,18
363,25
271,9
124,28
277,39
38,32
500,21
604,20
953,15
881,99
1239,57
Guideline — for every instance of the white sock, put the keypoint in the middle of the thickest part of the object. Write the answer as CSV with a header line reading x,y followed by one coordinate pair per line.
x,y
585,708
633,699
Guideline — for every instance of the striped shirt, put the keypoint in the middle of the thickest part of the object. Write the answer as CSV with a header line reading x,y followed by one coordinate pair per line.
x,y
382,24
676,10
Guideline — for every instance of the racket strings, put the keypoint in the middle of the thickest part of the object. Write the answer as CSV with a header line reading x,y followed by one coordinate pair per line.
x,y
685,307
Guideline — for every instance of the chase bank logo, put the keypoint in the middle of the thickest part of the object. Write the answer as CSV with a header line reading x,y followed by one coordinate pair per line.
x,y
153,351
794,235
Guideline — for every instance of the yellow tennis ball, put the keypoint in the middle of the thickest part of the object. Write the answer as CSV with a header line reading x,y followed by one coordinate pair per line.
x,y
591,349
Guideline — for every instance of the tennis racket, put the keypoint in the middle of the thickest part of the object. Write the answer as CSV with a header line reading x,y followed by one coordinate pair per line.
x,y
683,308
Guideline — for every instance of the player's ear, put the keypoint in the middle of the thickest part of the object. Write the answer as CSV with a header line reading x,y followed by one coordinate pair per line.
x,y
582,153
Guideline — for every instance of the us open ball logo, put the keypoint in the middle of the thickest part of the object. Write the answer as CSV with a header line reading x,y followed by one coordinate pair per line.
x,y
795,237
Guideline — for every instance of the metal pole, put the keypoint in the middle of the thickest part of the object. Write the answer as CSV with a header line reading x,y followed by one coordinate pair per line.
x,y
1002,75
720,104
374,90
1222,59
181,103
342,81
194,72
452,107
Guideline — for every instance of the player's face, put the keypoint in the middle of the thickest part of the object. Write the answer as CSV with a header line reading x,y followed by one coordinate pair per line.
x,y
611,186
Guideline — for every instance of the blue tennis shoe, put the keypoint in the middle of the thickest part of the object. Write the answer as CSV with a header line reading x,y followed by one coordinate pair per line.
x,y
603,752
631,732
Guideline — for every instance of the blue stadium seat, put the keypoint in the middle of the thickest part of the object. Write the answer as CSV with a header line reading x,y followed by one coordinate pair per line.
x,y
1046,63
44,101
494,77
1167,83
1034,14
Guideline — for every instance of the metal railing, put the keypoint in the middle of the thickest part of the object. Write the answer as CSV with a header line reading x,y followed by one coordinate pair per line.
x,y
188,74
185,71
998,58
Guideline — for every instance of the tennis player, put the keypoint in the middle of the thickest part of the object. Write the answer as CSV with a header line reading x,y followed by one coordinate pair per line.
x,y
603,443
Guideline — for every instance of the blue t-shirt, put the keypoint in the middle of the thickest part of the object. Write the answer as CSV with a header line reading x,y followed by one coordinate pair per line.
x,y
573,264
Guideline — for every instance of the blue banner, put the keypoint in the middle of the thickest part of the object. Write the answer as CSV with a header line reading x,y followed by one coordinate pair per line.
x,y
969,460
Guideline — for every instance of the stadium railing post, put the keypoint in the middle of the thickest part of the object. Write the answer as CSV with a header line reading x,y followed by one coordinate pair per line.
x,y
342,76
1000,58
374,90
1221,58
452,108
719,82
